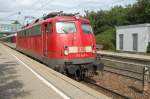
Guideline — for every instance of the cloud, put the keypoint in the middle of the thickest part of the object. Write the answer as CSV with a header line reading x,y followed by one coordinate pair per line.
x,y
13,5
9,8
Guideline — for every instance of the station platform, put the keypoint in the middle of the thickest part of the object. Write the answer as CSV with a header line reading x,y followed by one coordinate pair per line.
x,y
125,55
24,78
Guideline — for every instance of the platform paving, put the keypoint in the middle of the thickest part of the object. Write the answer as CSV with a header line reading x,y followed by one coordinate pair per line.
x,y
17,82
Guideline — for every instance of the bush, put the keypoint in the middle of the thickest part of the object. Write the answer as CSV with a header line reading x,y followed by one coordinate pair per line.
x,y
107,39
148,48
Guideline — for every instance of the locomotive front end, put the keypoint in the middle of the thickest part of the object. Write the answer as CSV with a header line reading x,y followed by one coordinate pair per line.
x,y
81,45
76,40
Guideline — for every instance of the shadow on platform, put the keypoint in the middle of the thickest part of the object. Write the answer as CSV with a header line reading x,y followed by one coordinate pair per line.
x,y
10,87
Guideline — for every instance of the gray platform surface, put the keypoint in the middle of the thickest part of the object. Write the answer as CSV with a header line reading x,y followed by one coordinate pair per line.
x,y
17,82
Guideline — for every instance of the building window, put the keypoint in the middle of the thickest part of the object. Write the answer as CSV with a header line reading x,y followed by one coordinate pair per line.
x,y
121,41
135,41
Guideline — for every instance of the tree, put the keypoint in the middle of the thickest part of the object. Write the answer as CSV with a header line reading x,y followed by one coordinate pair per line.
x,y
104,21
16,22
107,39
140,12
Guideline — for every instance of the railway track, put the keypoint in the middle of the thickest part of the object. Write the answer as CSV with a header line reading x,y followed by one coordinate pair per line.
x,y
112,91
124,69
107,91
131,72
124,72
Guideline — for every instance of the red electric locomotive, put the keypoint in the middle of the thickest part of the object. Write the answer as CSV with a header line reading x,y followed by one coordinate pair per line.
x,y
64,42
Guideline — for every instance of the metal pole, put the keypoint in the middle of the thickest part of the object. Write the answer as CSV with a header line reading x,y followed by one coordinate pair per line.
x,y
145,79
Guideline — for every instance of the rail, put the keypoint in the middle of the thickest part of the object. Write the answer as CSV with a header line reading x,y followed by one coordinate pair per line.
x,y
88,81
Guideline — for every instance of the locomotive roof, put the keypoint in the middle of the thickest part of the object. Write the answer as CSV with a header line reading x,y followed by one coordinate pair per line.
x,y
66,18
57,18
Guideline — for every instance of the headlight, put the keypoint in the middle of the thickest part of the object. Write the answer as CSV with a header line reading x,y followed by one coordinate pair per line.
x,y
66,52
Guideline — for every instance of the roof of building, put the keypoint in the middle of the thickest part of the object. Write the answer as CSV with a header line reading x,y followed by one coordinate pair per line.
x,y
133,26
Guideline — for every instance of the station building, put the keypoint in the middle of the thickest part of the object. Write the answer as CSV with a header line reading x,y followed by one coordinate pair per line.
x,y
8,28
133,38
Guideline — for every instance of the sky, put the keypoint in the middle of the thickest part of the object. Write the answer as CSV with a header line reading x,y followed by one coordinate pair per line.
x,y
18,9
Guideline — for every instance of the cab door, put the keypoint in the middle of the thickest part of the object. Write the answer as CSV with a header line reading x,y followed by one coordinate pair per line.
x,y
45,40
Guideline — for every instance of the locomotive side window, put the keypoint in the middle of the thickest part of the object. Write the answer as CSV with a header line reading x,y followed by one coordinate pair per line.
x,y
19,33
50,28
65,27
86,28
30,31
36,30
24,32
27,32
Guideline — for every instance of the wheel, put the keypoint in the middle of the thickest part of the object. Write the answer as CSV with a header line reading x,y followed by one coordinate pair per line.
x,y
77,75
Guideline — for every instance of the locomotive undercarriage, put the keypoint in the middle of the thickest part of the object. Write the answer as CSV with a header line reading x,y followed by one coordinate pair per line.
x,y
80,71
77,71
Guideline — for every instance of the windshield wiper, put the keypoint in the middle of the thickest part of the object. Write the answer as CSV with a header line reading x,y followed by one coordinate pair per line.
x,y
65,31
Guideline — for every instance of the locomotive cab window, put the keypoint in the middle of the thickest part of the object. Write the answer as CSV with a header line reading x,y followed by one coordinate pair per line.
x,y
86,28
65,27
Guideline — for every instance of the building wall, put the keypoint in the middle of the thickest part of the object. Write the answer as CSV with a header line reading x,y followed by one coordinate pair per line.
x,y
9,27
143,38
